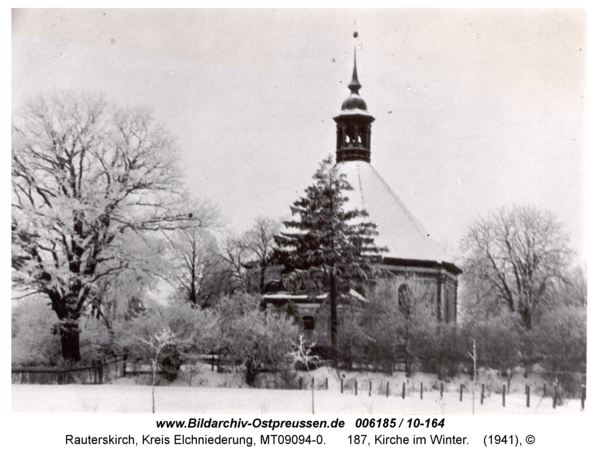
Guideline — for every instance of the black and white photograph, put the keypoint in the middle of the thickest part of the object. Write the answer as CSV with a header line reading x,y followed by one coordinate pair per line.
x,y
328,212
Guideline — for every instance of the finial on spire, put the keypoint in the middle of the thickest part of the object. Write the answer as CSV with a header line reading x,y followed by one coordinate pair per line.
x,y
354,85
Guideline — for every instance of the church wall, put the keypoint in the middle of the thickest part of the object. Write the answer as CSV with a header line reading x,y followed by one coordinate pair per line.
x,y
434,287
319,312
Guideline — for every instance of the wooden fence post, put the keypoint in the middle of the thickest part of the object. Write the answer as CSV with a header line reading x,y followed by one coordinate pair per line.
x,y
461,391
528,392
312,383
482,392
544,395
421,390
403,389
503,395
356,386
342,385
326,383
555,396
582,397
441,391
370,385
387,389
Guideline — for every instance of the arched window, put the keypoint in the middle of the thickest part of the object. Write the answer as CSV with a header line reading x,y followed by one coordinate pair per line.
x,y
308,322
405,298
273,286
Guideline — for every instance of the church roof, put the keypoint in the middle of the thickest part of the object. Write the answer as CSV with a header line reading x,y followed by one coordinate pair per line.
x,y
398,228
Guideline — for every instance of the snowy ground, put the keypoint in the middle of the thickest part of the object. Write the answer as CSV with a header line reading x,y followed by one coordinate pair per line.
x,y
207,391
137,399
111,410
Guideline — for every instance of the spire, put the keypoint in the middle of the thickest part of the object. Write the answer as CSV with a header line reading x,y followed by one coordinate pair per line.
x,y
354,85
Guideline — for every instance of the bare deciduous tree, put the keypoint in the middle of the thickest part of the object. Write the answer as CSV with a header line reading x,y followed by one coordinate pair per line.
x,y
302,355
572,291
85,174
193,263
157,342
235,256
516,256
260,241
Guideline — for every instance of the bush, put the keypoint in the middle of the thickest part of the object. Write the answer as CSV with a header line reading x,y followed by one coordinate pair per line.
x,y
34,339
384,328
500,341
560,339
96,341
170,361
255,339
192,332
352,340
437,348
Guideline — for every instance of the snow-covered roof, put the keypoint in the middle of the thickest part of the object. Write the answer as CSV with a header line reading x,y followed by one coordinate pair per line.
x,y
398,228
290,296
305,297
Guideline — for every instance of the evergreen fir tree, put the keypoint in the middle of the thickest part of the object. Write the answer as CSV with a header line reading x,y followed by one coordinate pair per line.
x,y
327,246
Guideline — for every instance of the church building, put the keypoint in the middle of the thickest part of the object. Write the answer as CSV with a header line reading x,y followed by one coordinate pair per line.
x,y
412,257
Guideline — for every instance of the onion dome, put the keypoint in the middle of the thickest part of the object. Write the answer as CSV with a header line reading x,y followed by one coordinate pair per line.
x,y
354,102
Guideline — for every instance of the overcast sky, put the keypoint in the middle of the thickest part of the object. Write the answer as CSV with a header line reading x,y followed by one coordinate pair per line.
x,y
474,109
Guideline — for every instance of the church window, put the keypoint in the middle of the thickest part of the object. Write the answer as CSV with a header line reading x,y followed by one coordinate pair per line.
x,y
405,298
308,322
273,286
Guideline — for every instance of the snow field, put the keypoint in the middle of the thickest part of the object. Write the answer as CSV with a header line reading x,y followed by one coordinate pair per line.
x,y
169,399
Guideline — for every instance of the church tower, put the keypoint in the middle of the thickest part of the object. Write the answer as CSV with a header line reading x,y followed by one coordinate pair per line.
x,y
412,255
354,125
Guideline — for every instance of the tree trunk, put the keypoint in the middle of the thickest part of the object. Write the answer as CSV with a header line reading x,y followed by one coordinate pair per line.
x,y
154,363
333,306
526,317
69,339
261,285
68,306
312,392
251,372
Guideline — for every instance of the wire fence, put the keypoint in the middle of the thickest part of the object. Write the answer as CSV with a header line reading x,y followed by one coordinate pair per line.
x,y
556,385
482,390
97,373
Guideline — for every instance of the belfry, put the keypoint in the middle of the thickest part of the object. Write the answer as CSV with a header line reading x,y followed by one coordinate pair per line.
x,y
412,257
353,125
